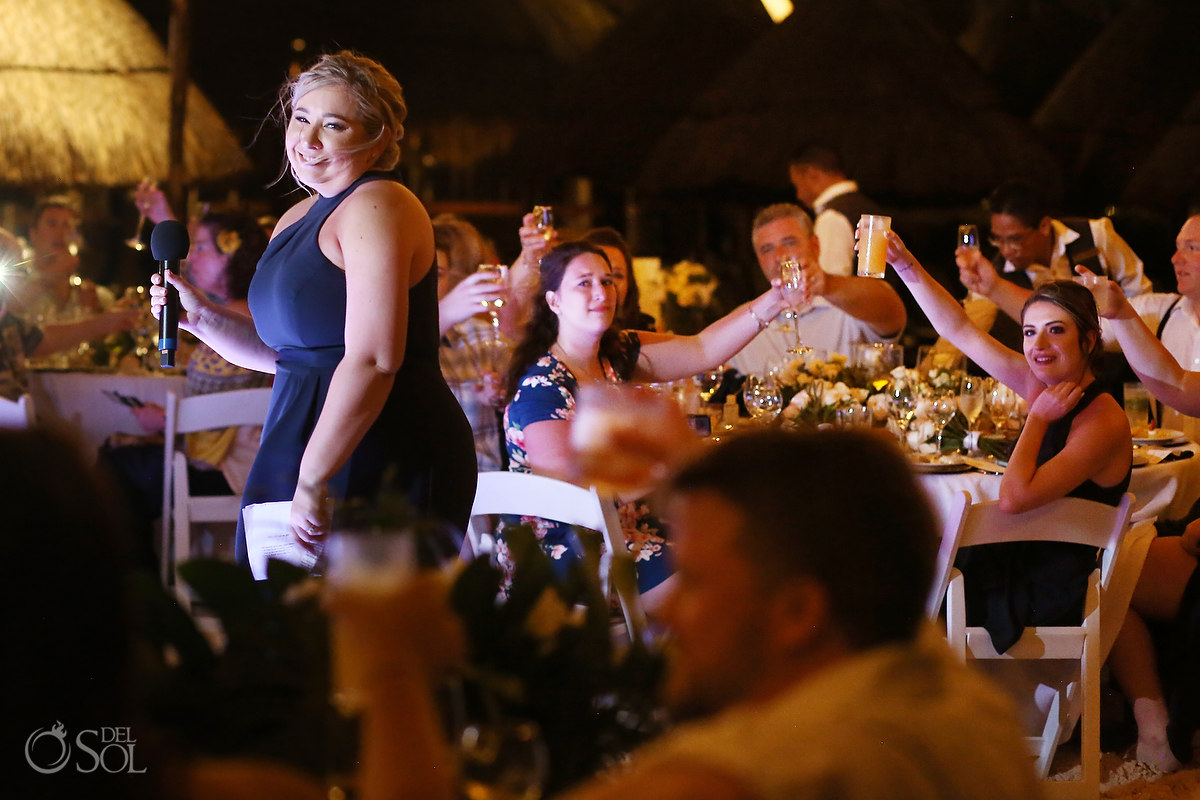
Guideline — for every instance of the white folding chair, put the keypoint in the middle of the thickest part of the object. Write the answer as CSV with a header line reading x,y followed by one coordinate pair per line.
x,y
17,413
180,507
952,528
1066,520
539,496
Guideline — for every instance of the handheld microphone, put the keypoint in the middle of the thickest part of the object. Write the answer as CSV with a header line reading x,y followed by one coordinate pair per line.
x,y
169,243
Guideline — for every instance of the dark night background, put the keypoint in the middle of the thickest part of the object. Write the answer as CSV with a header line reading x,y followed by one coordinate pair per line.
x,y
509,100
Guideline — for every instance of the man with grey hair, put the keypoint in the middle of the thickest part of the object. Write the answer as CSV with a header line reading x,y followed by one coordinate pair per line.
x,y
832,312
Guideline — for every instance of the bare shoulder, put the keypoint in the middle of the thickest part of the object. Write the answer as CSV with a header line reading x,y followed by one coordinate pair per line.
x,y
293,214
669,781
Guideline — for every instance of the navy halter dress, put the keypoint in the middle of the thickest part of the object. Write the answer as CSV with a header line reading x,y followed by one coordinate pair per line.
x,y
298,299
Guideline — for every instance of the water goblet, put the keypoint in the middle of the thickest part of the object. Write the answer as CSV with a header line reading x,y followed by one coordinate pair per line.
x,y
763,398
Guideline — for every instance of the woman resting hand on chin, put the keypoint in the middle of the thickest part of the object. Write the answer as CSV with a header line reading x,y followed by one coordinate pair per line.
x,y
1076,443
570,340
344,305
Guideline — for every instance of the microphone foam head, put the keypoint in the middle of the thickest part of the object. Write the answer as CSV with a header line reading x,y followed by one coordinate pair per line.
x,y
169,241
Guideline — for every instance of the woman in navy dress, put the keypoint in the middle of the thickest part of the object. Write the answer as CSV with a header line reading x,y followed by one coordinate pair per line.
x,y
344,307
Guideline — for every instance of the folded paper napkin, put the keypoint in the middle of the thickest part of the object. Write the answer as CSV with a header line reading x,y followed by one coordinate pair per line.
x,y
1157,455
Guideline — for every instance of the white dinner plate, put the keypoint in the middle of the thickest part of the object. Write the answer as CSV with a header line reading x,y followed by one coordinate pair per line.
x,y
1161,436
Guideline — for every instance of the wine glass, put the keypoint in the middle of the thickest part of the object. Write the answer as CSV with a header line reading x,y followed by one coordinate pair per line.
x,y
970,399
763,397
904,405
708,382
941,410
791,277
503,760
1002,402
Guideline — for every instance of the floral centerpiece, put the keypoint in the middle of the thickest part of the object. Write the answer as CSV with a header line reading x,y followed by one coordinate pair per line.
x,y
545,654
814,391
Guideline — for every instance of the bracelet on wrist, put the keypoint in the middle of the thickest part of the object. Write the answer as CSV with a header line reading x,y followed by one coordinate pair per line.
x,y
762,326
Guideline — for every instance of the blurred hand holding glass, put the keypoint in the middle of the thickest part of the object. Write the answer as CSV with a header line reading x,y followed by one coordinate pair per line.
x,y
366,569
625,438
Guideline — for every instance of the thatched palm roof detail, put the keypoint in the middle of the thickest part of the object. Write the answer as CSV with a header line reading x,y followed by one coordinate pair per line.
x,y
84,100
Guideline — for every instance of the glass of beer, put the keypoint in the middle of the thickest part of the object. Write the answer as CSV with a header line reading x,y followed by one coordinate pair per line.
x,y
872,245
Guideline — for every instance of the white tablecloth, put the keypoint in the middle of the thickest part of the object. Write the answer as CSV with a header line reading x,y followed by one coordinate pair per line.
x,y
77,401
1165,490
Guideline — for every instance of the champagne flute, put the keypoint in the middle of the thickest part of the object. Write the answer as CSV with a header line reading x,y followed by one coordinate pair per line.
x,y
970,399
136,241
500,271
791,277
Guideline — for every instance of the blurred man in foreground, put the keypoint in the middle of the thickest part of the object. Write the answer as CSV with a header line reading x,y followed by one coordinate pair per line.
x,y
794,649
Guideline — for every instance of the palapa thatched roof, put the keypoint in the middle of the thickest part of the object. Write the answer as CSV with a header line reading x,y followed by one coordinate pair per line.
x,y
84,100
1120,97
911,113
608,111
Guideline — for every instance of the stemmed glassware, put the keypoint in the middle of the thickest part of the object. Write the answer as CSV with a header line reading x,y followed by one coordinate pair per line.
x,y
136,241
708,382
968,237
903,406
496,303
970,399
942,408
791,278
543,217
503,760
763,397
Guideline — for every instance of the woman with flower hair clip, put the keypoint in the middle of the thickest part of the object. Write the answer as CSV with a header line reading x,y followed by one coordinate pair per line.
x,y
224,251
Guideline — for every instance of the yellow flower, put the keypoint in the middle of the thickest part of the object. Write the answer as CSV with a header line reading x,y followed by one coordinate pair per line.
x,y
228,242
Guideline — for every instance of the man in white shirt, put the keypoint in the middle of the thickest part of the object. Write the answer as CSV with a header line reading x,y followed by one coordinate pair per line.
x,y
817,173
840,310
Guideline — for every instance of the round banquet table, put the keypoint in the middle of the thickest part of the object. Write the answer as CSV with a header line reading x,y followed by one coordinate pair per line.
x,y
1166,489
77,401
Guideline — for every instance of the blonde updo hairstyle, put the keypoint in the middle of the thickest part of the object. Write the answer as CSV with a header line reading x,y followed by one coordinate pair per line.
x,y
377,95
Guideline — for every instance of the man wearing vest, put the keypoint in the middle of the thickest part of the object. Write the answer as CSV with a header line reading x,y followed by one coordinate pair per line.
x,y
1034,247
821,184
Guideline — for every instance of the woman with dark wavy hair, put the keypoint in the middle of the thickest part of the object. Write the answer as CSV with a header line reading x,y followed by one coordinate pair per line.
x,y
571,339
630,316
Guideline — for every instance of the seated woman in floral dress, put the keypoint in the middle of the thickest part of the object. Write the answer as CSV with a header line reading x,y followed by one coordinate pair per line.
x,y
571,340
